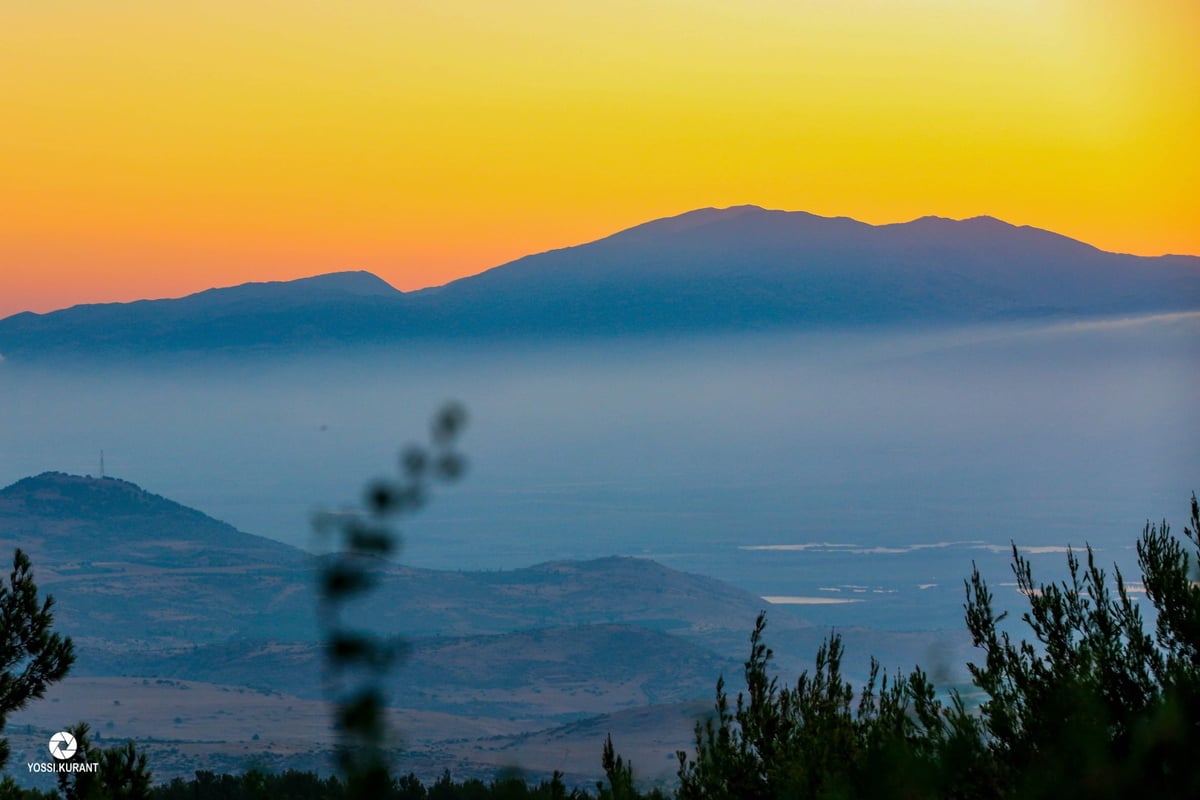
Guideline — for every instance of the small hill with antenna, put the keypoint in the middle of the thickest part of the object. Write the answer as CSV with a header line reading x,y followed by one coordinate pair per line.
x,y
59,518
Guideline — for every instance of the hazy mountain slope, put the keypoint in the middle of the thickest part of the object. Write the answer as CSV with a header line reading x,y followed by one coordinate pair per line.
x,y
607,590
747,267
129,566
334,308
742,268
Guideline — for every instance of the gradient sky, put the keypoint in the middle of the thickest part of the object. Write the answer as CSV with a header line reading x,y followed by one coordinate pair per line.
x,y
152,149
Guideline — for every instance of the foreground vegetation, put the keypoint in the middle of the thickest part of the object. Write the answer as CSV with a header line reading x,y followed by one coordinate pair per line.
x,y
294,785
1096,706
1101,703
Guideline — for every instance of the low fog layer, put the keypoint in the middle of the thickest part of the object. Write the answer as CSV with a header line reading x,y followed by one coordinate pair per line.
x,y
913,452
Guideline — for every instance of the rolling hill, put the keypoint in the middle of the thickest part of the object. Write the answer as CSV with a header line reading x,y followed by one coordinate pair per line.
x,y
192,637
127,565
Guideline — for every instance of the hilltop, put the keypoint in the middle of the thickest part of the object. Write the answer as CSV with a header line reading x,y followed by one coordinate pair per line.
x,y
62,519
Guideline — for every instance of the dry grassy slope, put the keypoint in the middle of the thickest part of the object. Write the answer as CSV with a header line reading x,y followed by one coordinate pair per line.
x,y
648,737
188,725
545,673
606,590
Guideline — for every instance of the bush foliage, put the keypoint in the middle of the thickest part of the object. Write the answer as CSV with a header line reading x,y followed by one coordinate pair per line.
x,y
1096,705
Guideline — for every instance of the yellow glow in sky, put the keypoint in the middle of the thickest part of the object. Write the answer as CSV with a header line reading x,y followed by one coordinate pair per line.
x,y
154,149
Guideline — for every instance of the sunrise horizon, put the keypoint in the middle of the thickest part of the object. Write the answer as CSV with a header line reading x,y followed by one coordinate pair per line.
x,y
131,294
157,150
480,376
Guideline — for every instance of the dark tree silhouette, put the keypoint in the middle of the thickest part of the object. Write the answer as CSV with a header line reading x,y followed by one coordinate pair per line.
x,y
31,656
123,772
1097,705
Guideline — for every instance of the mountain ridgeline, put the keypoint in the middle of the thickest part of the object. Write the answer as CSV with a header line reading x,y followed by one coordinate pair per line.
x,y
710,270
129,566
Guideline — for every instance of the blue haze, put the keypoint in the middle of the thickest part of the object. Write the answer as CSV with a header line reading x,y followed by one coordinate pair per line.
x,y
687,450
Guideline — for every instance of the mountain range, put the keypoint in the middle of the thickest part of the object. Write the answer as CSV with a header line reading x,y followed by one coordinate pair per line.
x,y
709,270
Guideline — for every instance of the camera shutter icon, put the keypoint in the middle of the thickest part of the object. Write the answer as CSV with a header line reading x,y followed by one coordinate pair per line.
x,y
62,745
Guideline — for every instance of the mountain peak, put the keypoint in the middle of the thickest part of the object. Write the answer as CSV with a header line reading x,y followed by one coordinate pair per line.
x,y
355,283
358,281
934,220
698,218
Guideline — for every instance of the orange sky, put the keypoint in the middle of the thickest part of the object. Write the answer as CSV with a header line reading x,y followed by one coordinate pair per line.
x,y
151,149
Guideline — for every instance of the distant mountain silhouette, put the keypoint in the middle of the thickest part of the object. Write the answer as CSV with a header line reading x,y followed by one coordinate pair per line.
x,y
339,307
710,270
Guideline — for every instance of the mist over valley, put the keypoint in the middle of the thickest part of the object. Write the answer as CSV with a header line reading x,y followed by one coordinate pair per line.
x,y
692,451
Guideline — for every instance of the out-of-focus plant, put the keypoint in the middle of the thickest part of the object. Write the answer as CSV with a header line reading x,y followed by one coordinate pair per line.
x,y
358,659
